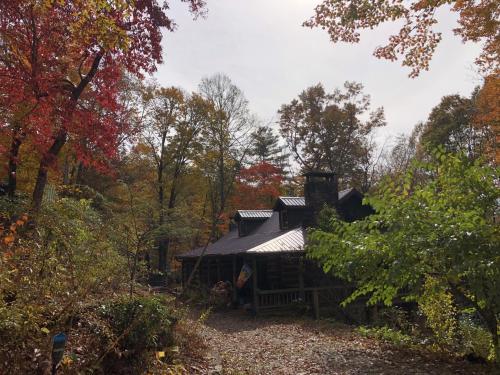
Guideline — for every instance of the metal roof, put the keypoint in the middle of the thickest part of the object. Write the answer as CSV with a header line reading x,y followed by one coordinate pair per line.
x,y
231,243
255,214
293,201
301,201
344,193
267,237
292,240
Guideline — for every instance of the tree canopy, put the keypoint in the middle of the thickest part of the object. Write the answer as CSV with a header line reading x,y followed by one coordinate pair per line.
x,y
331,131
266,148
417,39
60,65
452,124
442,227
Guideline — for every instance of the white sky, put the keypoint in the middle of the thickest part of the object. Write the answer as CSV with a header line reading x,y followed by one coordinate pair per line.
x,y
262,47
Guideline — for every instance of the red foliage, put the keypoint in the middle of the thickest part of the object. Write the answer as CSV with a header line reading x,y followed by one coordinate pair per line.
x,y
61,63
257,187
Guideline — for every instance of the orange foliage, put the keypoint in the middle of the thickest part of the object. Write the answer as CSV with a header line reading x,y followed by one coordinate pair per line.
x,y
258,186
8,229
489,113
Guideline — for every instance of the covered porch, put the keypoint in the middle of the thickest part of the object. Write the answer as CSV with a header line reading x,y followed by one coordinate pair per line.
x,y
278,280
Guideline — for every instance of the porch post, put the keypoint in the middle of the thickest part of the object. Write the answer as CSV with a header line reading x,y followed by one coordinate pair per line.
x,y
301,279
217,262
208,272
199,272
316,303
182,275
235,292
255,290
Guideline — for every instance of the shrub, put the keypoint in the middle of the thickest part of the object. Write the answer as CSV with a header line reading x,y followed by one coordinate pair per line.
x,y
475,339
78,192
49,270
394,317
437,305
387,334
140,323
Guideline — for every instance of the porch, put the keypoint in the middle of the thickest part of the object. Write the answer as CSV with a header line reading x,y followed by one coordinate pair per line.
x,y
277,282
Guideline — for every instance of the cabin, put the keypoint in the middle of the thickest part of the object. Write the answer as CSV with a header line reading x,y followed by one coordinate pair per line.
x,y
263,253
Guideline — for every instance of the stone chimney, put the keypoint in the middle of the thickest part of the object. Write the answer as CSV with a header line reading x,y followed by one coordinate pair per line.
x,y
320,188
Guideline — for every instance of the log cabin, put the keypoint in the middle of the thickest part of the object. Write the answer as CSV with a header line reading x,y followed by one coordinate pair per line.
x,y
270,245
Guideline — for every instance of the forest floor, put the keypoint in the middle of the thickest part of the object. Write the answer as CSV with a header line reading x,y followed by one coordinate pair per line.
x,y
237,343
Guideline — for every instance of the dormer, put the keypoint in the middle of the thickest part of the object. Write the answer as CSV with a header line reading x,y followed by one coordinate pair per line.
x,y
351,207
248,220
291,211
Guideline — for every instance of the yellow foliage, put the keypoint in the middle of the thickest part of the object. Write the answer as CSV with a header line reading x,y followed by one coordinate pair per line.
x,y
437,305
66,361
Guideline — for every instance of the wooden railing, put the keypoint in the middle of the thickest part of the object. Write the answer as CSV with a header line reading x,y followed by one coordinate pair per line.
x,y
268,299
283,297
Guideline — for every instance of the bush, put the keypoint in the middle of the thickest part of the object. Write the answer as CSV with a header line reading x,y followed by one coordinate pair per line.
x,y
387,334
140,323
438,306
394,317
50,268
79,192
475,339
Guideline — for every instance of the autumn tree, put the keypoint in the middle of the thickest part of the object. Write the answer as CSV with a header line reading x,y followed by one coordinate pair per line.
x,y
403,152
417,39
451,124
83,162
258,186
225,146
331,131
175,121
488,115
58,55
226,139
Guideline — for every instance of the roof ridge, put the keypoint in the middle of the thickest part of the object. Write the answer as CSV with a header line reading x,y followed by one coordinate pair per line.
x,y
350,188
262,209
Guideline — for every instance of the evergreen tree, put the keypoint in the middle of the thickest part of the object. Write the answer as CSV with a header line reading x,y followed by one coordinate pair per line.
x,y
265,148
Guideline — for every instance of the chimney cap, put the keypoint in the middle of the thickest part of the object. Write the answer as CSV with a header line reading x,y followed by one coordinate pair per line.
x,y
313,173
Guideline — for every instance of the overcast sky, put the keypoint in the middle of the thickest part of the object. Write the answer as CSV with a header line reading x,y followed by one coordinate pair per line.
x,y
262,47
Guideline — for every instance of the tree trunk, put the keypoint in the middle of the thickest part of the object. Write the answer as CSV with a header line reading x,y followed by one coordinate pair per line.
x,y
162,243
162,251
66,171
165,243
60,139
13,161
47,160
75,172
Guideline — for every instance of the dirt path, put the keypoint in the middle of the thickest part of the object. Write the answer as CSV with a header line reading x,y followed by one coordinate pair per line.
x,y
240,344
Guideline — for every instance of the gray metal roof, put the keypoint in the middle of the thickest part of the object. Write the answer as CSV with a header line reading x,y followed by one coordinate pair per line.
x,y
267,237
255,214
231,243
301,201
292,240
293,201
344,193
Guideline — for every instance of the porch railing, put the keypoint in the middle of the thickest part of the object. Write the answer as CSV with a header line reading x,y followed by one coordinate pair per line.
x,y
283,297
269,299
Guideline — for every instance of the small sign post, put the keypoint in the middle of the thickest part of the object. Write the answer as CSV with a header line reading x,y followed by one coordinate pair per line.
x,y
58,344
